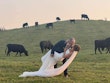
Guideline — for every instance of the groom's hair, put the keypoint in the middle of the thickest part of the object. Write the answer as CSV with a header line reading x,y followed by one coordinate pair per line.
x,y
72,39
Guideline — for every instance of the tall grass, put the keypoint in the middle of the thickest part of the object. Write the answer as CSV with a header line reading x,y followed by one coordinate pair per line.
x,y
86,68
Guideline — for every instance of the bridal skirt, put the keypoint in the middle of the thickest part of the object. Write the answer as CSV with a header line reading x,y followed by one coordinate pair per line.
x,y
47,69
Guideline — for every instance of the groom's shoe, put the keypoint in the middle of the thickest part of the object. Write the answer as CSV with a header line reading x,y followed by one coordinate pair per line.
x,y
66,76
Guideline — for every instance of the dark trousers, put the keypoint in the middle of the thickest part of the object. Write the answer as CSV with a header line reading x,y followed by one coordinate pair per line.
x,y
66,70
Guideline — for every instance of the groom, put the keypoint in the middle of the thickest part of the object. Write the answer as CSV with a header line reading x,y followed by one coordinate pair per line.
x,y
62,46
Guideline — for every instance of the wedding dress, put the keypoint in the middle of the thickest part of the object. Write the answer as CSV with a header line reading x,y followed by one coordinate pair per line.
x,y
47,69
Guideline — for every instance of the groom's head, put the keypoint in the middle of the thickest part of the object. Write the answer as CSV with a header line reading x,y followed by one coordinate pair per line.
x,y
71,42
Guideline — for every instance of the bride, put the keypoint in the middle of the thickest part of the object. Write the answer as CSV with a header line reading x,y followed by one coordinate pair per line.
x,y
47,69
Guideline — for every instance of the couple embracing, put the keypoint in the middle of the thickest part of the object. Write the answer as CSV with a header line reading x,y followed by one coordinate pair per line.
x,y
65,51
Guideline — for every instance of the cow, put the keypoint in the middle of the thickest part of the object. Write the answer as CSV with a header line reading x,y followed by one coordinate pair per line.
x,y
36,24
44,45
84,16
72,20
99,44
16,48
25,25
107,42
58,18
48,25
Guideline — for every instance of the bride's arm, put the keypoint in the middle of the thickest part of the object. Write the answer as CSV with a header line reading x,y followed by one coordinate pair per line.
x,y
74,48
67,55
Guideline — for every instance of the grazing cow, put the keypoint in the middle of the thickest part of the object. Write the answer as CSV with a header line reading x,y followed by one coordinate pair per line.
x,y
99,44
107,41
84,16
25,25
72,20
16,48
49,25
45,45
58,18
36,24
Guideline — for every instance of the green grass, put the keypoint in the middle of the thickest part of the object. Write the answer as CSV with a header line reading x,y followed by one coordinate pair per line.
x,y
86,68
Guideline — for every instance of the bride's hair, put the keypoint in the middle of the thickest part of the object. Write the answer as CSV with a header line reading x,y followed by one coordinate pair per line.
x,y
76,47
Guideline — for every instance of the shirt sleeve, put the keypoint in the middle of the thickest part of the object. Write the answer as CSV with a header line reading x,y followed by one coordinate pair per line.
x,y
58,47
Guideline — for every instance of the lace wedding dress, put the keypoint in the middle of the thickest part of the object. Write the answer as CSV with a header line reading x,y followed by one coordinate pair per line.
x,y
47,69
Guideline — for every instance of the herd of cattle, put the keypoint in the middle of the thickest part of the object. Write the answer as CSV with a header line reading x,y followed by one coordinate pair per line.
x,y
44,45
48,25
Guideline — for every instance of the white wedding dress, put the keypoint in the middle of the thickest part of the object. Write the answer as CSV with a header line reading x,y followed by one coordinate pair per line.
x,y
47,69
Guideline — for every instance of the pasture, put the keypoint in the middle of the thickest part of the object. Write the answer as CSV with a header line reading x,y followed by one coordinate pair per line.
x,y
86,68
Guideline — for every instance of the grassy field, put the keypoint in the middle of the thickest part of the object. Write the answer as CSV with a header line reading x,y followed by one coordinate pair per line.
x,y
86,68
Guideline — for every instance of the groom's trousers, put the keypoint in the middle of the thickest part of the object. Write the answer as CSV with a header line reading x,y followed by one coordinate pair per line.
x,y
66,70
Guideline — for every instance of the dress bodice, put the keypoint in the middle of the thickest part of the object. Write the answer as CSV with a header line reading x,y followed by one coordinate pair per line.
x,y
59,56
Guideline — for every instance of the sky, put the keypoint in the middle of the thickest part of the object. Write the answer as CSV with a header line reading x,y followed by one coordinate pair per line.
x,y
13,13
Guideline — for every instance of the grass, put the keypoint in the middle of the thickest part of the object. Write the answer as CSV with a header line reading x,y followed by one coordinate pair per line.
x,y
86,68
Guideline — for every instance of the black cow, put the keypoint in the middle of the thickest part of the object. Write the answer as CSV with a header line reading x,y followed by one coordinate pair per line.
x,y
84,16
72,20
107,43
36,24
58,18
25,25
16,48
45,45
48,25
100,44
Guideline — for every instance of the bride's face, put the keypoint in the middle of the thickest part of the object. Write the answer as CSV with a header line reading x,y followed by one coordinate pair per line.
x,y
72,49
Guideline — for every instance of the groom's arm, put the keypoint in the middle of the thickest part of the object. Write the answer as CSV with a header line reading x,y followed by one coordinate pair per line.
x,y
58,47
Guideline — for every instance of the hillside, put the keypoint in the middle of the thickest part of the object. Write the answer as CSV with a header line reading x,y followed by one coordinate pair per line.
x,y
85,33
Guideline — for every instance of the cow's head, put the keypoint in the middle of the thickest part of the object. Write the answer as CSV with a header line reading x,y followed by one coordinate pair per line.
x,y
26,53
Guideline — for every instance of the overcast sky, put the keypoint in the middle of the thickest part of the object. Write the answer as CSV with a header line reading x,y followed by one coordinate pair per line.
x,y
13,13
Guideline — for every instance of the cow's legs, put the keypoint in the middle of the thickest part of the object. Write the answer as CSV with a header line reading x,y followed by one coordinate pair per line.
x,y
20,54
16,53
108,50
8,53
95,50
99,50
42,49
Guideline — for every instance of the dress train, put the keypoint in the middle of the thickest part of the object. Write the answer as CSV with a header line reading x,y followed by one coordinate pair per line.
x,y
47,69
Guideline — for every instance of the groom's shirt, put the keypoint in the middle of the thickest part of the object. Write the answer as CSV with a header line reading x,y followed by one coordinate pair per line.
x,y
59,47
